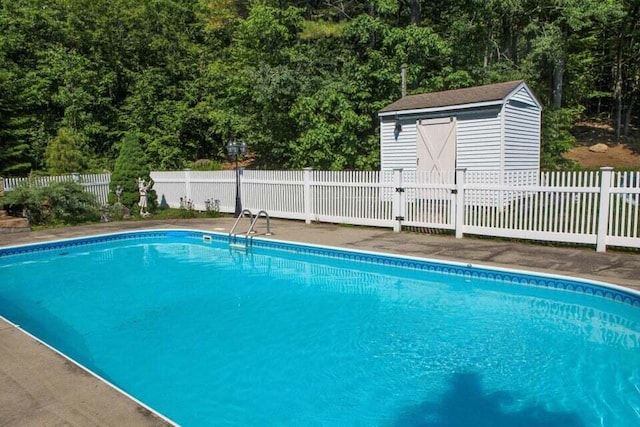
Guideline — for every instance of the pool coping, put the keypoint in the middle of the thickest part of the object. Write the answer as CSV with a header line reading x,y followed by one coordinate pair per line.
x,y
91,373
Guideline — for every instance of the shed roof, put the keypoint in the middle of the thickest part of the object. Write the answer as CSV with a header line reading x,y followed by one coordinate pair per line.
x,y
447,98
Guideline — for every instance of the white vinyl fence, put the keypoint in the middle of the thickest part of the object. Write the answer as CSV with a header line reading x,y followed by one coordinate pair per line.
x,y
599,208
96,184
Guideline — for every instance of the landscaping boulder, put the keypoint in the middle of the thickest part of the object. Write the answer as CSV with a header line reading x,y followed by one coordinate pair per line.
x,y
599,148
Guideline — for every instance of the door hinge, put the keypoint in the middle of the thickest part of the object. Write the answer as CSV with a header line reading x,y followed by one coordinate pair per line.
x,y
399,218
454,191
399,190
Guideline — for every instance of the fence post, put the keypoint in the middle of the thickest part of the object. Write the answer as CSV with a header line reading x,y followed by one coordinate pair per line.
x,y
603,211
459,200
398,200
307,195
187,184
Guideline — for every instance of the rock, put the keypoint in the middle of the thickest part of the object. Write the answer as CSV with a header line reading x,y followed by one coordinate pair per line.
x,y
599,148
10,224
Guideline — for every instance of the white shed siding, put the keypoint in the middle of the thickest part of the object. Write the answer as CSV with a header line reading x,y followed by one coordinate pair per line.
x,y
479,140
522,137
524,96
397,153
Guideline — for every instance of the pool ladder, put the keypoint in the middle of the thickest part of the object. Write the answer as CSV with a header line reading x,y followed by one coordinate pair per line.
x,y
248,238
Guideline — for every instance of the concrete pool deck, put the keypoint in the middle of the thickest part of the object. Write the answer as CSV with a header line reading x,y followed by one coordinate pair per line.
x,y
40,387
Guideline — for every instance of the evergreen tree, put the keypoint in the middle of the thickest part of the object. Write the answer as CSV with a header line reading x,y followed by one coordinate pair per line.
x,y
64,153
131,164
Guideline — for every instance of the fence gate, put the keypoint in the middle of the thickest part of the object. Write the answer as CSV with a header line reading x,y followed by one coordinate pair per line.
x,y
429,199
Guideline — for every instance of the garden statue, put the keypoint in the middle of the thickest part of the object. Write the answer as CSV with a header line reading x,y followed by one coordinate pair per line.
x,y
118,192
142,189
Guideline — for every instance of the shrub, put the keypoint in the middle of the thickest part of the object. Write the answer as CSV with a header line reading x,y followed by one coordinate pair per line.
x,y
205,165
64,153
57,203
130,165
556,137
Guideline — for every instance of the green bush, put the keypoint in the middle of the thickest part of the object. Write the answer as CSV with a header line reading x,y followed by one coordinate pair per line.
x,y
556,137
64,153
204,165
57,203
130,165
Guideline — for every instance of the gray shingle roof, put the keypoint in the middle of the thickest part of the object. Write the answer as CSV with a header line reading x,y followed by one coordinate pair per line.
x,y
447,98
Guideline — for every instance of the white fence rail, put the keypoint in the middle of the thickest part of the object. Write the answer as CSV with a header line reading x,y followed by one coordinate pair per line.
x,y
599,208
96,184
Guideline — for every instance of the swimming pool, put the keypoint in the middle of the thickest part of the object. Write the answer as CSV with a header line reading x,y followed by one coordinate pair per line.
x,y
303,335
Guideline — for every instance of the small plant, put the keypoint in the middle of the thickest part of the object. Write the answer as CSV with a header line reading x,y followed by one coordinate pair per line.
x,y
186,208
116,211
212,208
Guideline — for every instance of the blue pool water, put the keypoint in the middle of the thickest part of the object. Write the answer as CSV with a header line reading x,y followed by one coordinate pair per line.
x,y
287,335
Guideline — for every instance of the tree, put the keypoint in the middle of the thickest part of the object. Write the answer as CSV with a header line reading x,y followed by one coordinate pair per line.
x,y
14,149
64,153
130,165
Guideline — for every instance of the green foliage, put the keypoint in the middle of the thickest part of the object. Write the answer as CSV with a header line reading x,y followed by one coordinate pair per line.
x,y
118,212
319,29
183,213
130,165
56,204
204,165
301,82
64,153
556,136
14,150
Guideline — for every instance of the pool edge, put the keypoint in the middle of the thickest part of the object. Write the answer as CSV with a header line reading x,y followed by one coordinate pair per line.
x,y
634,295
90,372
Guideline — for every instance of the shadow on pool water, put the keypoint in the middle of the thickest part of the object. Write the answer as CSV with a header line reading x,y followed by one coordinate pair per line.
x,y
466,404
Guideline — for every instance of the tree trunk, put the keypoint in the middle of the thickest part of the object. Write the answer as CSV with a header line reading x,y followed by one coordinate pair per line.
x,y
416,11
558,76
617,91
509,39
627,116
559,64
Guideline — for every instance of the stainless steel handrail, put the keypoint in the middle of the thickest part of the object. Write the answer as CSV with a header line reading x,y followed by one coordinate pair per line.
x,y
253,223
231,233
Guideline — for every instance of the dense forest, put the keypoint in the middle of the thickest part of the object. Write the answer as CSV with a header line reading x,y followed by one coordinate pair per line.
x,y
301,81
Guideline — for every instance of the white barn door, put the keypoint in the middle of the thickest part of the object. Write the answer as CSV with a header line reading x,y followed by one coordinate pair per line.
x,y
436,145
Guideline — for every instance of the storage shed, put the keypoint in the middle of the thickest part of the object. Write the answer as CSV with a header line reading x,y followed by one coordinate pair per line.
x,y
490,128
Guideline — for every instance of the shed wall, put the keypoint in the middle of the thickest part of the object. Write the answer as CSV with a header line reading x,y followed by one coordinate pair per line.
x,y
478,139
479,146
521,137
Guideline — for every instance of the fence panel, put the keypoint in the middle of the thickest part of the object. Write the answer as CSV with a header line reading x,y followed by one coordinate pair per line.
x,y
96,184
624,210
352,197
212,186
280,193
563,208
196,187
